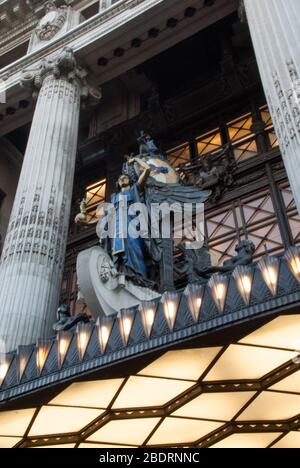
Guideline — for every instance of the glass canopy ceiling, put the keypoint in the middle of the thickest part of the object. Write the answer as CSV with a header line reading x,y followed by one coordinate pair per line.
x,y
215,366
243,395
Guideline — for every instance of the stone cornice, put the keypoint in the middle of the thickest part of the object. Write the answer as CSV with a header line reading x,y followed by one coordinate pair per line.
x,y
77,33
87,32
18,18
79,38
11,39
109,30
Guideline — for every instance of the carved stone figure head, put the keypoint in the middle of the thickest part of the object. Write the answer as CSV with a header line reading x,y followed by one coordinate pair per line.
x,y
63,312
246,246
123,182
52,22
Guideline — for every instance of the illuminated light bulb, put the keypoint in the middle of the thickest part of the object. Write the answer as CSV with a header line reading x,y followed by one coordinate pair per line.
x,y
127,326
126,318
104,334
62,346
83,334
148,313
194,296
220,291
244,279
170,301
218,285
247,284
23,355
4,368
292,257
63,343
269,268
42,352
22,366
104,328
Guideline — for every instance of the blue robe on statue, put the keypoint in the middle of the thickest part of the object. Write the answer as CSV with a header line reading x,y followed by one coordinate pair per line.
x,y
130,249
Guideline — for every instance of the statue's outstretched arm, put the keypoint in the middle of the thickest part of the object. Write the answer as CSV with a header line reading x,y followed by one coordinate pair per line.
x,y
144,177
141,163
81,218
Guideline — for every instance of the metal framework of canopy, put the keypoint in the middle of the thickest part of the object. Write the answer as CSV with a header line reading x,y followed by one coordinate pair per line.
x,y
225,379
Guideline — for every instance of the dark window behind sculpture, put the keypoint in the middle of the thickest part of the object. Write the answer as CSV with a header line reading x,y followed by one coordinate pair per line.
x,y
180,155
242,138
291,211
248,217
266,117
95,194
238,133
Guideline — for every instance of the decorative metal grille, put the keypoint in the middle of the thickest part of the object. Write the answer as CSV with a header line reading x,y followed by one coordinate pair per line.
x,y
179,155
238,133
209,143
95,194
242,138
267,119
291,211
253,218
240,128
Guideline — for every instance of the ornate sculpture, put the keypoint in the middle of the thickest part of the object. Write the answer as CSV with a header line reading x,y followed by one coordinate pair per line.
x,y
124,270
160,185
66,322
82,216
63,65
193,260
52,22
245,251
148,146
214,172
127,251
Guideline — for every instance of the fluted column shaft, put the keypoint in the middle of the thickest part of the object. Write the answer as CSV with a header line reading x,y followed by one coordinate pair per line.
x,y
275,31
33,256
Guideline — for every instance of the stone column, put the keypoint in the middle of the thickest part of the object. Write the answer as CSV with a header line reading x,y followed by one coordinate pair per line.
x,y
274,27
33,255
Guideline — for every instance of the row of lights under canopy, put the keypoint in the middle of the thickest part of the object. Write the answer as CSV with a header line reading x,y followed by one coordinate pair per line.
x,y
194,293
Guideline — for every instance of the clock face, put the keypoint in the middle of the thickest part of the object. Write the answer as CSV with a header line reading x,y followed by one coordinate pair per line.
x,y
49,18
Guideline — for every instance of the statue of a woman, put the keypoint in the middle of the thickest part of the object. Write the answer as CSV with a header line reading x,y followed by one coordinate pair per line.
x,y
148,179
127,249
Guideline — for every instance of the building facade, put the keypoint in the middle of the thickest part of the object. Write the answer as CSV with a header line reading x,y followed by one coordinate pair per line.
x,y
216,84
